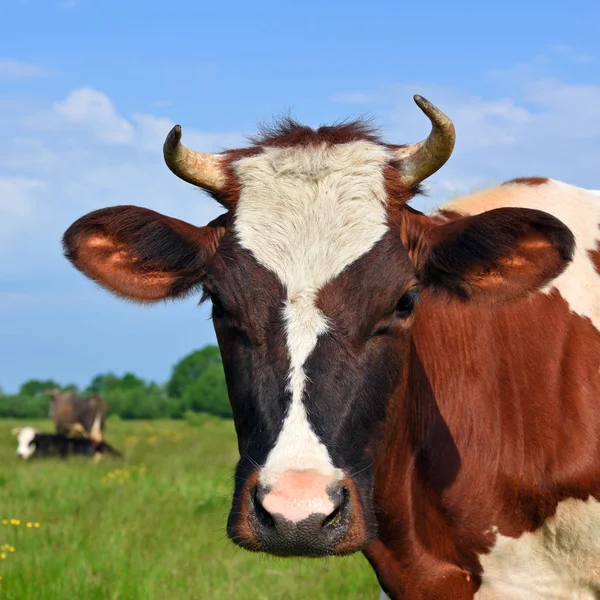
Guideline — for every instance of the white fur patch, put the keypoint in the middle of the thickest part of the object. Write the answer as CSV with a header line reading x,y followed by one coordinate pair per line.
x,y
96,430
306,214
560,561
24,438
578,209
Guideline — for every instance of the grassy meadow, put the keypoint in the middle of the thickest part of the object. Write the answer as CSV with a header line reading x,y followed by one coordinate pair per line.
x,y
148,526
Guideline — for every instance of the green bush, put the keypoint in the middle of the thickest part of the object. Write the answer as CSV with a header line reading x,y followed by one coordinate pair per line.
x,y
196,419
209,393
37,387
24,407
190,368
140,402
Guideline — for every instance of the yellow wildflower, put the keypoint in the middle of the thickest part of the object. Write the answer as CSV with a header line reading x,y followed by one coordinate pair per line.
x,y
29,524
3,556
36,524
11,549
4,522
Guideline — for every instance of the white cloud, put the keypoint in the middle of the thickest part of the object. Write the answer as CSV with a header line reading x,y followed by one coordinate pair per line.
x,y
571,53
152,131
16,69
18,203
94,110
566,110
529,123
68,4
89,114
61,161
16,195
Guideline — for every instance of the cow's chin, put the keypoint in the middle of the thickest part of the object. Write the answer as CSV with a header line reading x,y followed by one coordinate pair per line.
x,y
343,532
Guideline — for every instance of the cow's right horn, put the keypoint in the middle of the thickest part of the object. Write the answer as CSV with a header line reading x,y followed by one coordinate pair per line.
x,y
203,170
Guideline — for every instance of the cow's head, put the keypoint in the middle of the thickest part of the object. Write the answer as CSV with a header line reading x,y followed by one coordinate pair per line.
x,y
314,272
25,436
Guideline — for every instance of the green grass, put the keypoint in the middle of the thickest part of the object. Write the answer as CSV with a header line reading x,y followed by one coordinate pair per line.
x,y
157,532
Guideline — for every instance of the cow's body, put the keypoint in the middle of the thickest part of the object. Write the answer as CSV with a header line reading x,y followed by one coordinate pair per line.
x,y
496,478
72,413
33,443
456,439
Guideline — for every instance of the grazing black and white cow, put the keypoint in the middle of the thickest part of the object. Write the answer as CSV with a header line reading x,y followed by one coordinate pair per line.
x,y
31,442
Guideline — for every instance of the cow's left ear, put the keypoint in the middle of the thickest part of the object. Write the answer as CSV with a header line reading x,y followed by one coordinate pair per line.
x,y
496,256
16,430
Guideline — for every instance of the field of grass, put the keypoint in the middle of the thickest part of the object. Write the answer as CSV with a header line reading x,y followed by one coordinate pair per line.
x,y
148,526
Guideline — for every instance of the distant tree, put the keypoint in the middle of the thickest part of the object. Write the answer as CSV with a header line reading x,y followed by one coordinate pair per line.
x,y
37,387
71,387
189,369
147,402
208,393
109,382
97,384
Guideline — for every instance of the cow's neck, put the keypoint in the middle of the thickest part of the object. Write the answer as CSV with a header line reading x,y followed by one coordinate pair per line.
x,y
469,435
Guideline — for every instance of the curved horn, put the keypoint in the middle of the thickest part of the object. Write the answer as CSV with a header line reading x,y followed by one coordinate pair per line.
x,y
203,170
423,159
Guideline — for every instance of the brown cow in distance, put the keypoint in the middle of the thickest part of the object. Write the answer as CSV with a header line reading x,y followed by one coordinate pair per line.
x,y
72,413
424,388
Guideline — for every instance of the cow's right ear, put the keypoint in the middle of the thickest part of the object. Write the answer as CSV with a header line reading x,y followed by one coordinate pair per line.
x,y
140,254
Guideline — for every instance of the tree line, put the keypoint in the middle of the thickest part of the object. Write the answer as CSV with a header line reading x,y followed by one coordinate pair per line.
x,y
197,385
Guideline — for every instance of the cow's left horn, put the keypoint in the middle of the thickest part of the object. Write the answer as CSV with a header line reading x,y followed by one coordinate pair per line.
x,y
423,159
203,170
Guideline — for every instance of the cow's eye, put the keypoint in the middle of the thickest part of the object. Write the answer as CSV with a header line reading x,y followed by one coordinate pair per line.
x,y
217,311
406,305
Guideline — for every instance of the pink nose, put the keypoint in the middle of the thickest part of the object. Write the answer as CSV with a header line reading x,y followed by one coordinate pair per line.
x,y
299,494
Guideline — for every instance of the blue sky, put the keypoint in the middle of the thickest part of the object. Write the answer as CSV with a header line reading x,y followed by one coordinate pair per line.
x,y
89,89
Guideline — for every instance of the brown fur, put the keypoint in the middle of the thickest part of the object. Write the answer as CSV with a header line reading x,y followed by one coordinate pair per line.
x,y
457,468
595,257
286,133
130,249
528,180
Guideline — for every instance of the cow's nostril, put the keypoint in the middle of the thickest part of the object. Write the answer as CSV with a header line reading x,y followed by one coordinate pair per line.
x,y
262,514
335,518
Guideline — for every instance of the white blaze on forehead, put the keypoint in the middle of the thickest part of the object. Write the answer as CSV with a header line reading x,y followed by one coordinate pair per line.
x,y
579,210
24,438
306,213
558,561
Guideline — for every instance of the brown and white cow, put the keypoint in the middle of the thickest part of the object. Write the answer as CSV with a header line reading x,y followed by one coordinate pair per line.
x,y
424,388
72,413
